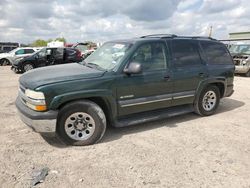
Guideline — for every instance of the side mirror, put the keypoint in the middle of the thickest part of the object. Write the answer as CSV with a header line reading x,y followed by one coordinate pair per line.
x,y
133,68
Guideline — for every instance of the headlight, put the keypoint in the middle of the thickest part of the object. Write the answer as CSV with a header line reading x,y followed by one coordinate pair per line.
x,y
35,100
34,94
244,62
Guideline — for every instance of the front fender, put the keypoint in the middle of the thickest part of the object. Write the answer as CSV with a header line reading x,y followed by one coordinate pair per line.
x,y
59,100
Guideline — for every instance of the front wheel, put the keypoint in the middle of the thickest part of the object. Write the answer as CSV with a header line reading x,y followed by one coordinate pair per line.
x,y
208,101
5,62
27,67
81,123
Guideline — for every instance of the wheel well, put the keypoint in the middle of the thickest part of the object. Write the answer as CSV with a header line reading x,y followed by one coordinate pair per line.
x,y
4,59
99,101
221,88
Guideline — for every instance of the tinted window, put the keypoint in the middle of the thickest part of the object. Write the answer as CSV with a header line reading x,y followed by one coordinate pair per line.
x,y
28,51
20,52
216,53
59,52
152,56
70,51
185,53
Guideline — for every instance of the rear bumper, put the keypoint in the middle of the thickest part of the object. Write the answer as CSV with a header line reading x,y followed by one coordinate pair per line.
x,y
241,69
229,91
41,122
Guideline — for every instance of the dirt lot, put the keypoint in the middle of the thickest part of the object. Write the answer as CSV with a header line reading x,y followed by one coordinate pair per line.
x,y
184,151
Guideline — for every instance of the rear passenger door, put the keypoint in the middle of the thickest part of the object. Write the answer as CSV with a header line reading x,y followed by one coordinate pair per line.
x,y
70,55
188,70
57,56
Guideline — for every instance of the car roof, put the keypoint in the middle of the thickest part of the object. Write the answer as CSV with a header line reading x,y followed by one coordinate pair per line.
x,y
157,37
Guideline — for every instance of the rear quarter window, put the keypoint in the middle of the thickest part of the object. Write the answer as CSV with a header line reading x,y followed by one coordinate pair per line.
x,y
216,53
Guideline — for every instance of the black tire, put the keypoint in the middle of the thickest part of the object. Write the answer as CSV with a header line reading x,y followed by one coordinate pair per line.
x,y
4,62
27,66
96,115
209,108
248,73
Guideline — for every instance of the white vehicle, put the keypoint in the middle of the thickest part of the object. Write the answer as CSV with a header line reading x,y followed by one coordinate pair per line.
x,y
18,53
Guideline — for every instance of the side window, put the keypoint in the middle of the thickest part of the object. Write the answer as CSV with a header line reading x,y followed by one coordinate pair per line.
x,y
216,53
185,53
59,53
70,52
152,56
19,52
28,51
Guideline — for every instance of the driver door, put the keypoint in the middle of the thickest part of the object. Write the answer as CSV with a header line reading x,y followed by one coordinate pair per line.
x,y
149,90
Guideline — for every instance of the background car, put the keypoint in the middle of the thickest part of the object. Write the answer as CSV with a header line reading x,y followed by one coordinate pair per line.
x,y
241,57
18,53
46,57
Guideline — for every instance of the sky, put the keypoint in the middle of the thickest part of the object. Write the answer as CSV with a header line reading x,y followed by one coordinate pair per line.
x,y
101,20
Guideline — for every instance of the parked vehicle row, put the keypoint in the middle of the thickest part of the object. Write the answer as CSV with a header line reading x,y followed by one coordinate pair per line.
x,y
46,57
126,82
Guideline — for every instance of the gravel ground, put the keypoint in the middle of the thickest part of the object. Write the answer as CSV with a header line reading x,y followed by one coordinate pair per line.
x,y
184,151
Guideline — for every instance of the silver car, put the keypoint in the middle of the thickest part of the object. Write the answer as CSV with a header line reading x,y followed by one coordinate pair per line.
x,y
18,53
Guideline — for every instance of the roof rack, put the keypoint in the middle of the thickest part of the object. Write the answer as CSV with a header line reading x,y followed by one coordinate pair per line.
x,y
197,37
159,36
173,36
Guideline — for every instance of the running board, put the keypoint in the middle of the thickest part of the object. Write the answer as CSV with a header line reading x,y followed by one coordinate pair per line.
x,y
153,115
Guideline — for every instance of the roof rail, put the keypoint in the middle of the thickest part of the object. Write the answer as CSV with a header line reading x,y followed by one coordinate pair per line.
x,y
159,36
197,37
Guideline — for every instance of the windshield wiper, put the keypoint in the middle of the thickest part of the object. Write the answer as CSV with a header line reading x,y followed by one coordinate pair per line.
x,y
93,65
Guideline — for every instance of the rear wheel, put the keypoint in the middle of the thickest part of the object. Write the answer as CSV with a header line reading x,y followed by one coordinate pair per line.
x,y
27,67
81,123
208,101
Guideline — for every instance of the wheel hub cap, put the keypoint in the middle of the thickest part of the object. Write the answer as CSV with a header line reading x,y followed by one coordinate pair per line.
x,y
79,126
209,100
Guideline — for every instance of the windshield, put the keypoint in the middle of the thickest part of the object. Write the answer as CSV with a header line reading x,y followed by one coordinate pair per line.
x,y
13,51
108,56
243,48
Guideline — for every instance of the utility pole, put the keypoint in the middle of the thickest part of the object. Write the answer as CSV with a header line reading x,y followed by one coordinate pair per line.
x,y
210,31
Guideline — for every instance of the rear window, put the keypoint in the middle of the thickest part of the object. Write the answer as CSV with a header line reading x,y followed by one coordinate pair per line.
x,y
28,51
216,53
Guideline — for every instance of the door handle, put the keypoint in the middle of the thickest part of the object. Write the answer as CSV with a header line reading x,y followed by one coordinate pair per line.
x,y
166,77
201,74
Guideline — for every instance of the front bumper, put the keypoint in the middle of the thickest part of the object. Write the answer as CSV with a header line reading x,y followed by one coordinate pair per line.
x,y
242,69
41,122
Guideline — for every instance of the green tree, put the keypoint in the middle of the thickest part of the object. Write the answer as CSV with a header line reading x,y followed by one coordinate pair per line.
x,y
61,39
39,43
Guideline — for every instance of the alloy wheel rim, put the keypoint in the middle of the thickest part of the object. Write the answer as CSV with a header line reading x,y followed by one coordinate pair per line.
x,y
5,62
28,67
209,100
79,126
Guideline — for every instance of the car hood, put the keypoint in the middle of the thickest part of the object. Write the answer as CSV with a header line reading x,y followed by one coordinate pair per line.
x,y
57,73
239,54
4,55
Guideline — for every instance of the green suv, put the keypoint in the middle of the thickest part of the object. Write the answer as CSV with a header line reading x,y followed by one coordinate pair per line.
x,y
126,82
